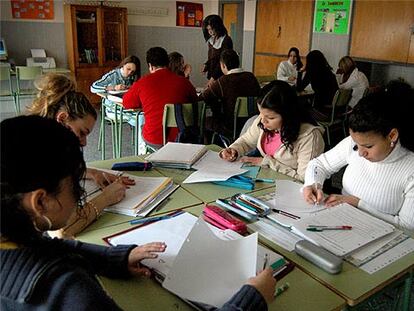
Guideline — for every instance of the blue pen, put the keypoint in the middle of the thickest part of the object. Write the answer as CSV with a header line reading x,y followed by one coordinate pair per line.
x,y
266,180
157,218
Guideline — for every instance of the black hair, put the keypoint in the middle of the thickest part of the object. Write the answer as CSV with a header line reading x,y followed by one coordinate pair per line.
x,y
36,153
299,63
216,23
316,65
382,111
157,57
281,98
230,59
174,63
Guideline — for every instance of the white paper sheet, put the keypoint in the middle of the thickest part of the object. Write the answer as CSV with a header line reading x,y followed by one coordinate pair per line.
x,y
172,231
211,274
38,52
210,167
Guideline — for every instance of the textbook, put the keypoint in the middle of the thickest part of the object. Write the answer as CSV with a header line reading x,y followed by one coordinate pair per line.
x,y
177,155
141,198
201,263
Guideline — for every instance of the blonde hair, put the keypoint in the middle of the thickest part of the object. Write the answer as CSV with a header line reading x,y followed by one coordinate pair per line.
x,y
56,92
347,64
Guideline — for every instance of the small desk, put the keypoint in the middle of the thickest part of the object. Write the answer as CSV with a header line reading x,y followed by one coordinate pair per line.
x,y
117,119
304,293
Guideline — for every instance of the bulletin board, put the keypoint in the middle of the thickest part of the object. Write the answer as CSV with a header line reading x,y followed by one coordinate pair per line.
x,y
189,14
32,9
332,16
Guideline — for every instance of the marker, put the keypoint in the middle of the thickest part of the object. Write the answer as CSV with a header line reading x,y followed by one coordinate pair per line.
x,y
281,289
278,211
317,228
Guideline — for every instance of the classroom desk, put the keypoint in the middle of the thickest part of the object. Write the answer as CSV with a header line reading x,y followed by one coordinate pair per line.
x,y
179,199
304,293
352,284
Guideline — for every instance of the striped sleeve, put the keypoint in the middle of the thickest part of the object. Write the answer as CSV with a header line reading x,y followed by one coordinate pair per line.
x,y
106,80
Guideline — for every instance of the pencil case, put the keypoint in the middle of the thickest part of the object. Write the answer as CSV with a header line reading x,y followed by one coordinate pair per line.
x,y
238,181
222,219
132,166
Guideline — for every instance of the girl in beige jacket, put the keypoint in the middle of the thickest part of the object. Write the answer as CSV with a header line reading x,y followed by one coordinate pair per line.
x,y
285,135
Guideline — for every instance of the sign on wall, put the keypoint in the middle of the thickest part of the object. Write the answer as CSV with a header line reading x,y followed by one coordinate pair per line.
x,y
332,16
189,14
33,9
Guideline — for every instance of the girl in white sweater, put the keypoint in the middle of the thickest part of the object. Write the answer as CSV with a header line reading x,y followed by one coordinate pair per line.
x,y
379,153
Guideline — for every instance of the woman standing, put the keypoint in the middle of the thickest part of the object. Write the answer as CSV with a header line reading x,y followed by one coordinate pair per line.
x,y
217,38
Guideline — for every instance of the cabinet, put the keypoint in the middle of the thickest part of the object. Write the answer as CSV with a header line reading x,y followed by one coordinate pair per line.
x,y
383,30
96,42
280,25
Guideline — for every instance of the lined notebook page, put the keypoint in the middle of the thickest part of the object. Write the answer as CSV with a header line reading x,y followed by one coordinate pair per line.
x,y
178,153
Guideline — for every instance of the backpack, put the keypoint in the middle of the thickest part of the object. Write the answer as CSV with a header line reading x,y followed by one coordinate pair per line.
x,y
187,134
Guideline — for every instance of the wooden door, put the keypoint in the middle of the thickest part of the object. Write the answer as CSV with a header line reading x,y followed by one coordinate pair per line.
x,y
280,25
382,30
232,14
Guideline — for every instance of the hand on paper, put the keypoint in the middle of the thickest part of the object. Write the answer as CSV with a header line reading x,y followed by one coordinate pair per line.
x,y
265,283
120,87
313,194
104,179
335,199
257,161
146,251
114,193
228,154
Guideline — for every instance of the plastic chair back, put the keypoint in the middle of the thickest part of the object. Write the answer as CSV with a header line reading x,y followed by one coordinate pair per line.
x,y
340,103
28,73
168,118
5,76
242,110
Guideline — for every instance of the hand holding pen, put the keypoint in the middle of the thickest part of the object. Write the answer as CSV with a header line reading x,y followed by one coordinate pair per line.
x,y
229,154
313,194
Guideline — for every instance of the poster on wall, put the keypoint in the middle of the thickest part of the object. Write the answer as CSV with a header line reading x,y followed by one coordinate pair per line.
x,y
189,14
32,9
332,16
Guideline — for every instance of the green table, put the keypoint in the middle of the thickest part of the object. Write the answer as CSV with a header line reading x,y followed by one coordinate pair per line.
x,y
304,293
353,284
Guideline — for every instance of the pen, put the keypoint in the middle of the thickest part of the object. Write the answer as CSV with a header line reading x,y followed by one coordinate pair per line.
x,y
266,180
316,228
285,213
223,141
266,258
281,289
145,220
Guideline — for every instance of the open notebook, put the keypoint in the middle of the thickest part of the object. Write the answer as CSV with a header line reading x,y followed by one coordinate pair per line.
x,y
141,198
365,228
201,263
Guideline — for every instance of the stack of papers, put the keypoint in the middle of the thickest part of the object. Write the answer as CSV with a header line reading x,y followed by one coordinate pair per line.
x,y
177,155
201,263
141,198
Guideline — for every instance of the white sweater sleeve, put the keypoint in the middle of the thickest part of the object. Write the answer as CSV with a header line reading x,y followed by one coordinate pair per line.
x,y
405,217
329,162
283,72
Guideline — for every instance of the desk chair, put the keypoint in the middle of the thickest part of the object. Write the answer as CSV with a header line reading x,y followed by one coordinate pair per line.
x,y
24,73
265,79
168,119
117,116
6,92
339,112
244,107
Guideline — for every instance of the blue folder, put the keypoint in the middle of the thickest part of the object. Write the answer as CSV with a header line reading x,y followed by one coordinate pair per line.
x,y
238,181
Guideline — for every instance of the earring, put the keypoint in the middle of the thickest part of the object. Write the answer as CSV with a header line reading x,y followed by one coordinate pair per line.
x,y
392,144
49,224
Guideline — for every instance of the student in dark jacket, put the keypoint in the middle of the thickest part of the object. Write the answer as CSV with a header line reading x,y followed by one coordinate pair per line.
x,y
318,73
221,95
39,273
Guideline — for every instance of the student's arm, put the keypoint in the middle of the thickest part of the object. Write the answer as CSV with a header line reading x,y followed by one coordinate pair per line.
x,y
248,141
282,73
308,148
352,82
101,85
212,93
131,99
